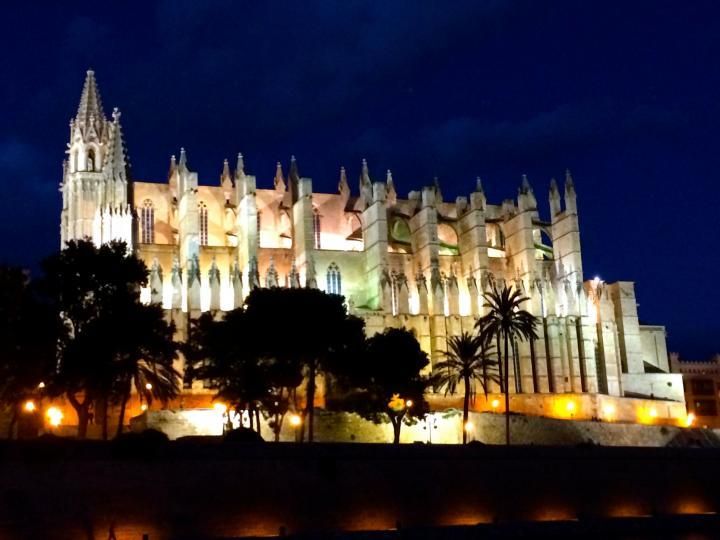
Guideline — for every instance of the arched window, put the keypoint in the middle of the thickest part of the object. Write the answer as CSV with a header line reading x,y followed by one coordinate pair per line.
x,y
203,214
90,160
334,282
147,222
316,228
259,222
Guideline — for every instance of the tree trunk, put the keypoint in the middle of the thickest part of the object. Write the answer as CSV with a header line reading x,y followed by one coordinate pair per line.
x,y
507,391
310,401
13,421
83,413
397,425
121,418
466,409
104,419
257,421
500,365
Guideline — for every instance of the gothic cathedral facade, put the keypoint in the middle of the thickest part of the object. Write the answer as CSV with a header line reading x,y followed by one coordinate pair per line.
x,y
419,262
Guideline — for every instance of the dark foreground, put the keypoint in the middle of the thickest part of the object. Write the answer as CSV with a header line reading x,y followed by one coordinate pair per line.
x,y
209,489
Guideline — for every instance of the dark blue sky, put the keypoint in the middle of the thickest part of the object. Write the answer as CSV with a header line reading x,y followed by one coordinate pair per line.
x,y
623,93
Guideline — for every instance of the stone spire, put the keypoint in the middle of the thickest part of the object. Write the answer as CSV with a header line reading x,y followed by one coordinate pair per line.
x,y
478,185
294,179
294,276
438,191
173,166
239,167
391,194
226,181
554,198
279,181
271,276
343,186
526,197
116,162
525,185
570,197
366,191
90,109
182,164
225,176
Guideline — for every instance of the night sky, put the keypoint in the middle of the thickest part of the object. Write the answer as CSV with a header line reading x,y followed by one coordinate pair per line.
x,y
625,94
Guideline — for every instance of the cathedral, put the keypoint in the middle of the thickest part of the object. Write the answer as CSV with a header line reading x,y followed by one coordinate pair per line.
x,y
420,262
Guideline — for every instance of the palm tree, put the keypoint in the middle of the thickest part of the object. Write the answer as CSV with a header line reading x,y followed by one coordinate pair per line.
x,y
508,322
467,360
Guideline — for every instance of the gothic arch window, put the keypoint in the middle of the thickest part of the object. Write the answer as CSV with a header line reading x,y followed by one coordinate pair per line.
x,y
203,215
316,228
334,281
147,222
91,160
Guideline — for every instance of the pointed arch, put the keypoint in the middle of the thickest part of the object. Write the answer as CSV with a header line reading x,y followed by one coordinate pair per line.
x,y
90,164
203,217
333,279
147,222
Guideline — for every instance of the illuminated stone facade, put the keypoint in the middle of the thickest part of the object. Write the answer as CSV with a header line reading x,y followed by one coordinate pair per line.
x,y
419,262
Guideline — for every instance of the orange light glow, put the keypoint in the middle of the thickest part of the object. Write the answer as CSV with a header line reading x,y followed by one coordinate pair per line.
x,y
295,420
689,419
220,407
54,416
148,386
29,406
469,426
609,411
495,403
143,407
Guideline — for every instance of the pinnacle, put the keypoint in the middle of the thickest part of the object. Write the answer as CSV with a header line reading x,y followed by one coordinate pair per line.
x,y
90,102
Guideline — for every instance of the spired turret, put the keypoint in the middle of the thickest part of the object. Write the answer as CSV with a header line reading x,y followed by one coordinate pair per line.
x,y
96,174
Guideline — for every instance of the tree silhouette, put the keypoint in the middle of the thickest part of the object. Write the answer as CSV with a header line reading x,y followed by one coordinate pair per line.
x,y
467,361
95,292
389,384
28,332
507,322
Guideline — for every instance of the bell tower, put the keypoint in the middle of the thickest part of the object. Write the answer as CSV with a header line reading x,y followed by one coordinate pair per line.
x,y
95,175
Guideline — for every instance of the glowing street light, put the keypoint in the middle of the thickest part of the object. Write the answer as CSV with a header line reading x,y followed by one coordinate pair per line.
x,y
41,385
653,413
148,386
29,406
54,416
469,426
689,419
295,420
143,407
495,403
409,403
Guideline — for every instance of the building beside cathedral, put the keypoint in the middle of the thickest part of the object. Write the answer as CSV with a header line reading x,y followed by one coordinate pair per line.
x,y
420,262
